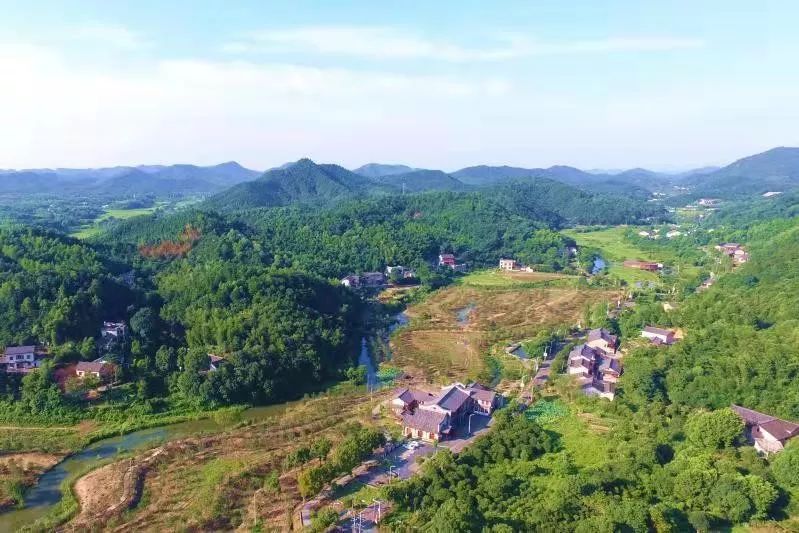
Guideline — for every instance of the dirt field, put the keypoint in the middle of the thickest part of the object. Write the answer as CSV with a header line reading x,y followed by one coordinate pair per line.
x,y
440,347
20,470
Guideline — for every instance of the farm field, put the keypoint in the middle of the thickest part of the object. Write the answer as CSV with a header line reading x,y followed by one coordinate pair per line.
x,y
223,481
451,332
93,229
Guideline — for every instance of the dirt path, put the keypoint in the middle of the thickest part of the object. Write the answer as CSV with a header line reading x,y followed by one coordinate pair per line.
x,y
109,490
31,428
32,460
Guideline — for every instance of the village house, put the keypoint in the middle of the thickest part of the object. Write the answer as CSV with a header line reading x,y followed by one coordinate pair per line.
x,y
705,285
401,271
734,250
351,282
409,400
708,202
602,339
113,330
673,233
215,362
447,260
101,370
596,364
768,434
658,335
433,417
508,264
22,359
643,265
367,279
372,279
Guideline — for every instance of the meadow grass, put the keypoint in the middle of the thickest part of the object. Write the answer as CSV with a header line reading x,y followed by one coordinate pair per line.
x,y
615,250
93,229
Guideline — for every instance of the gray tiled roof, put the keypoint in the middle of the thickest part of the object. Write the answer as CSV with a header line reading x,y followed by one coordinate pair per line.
x,y
17,350
452,399
424,420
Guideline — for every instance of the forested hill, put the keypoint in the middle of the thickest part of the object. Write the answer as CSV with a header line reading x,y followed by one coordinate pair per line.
x,y
742,335
368,233
306,182
377,170
774,170
422,180
302,182
625,183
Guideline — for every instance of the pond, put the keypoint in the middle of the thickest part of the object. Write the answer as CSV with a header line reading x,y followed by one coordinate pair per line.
x,y
520,352
462,315
41,498
599,265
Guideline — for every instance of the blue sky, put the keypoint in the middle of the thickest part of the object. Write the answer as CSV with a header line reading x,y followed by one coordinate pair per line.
x,y
611,84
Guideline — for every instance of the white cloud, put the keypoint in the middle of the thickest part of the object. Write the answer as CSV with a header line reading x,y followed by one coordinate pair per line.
x,y
115,36
393,43
56,114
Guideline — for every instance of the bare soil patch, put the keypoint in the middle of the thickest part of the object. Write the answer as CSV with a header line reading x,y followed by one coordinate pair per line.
x,y
443,349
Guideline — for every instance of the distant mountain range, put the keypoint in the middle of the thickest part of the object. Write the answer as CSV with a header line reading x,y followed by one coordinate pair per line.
x,y
158,180
377,170
775,170
304,180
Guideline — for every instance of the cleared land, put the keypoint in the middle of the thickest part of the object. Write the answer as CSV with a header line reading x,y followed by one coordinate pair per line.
x,y
439,347
93,229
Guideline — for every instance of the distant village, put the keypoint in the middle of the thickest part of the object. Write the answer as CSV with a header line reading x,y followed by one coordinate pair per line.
x,y
25,359
397,274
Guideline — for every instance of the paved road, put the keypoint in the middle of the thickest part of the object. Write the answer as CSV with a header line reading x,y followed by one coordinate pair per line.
x,y
462,437
402,462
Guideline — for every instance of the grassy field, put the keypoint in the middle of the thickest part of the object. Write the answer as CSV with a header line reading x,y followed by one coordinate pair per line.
x,y
500,278
615,250
439,348
93,229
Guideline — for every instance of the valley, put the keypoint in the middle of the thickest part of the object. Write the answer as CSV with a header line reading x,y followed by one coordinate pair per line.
x,y
227,351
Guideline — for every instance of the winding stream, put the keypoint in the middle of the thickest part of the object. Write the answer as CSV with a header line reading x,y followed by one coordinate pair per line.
x,y
42,497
